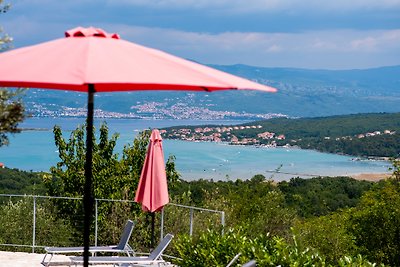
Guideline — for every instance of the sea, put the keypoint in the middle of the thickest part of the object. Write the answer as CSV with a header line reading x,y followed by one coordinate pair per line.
x,y
34,150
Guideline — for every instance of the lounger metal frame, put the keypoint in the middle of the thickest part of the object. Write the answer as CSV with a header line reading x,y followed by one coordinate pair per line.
x,y
122,247
154,258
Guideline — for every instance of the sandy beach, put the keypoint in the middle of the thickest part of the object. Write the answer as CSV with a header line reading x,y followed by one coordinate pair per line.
x,y
374,177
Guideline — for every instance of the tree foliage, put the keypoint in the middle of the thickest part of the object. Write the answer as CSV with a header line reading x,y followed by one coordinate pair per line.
x,y
375,224
16,224
212,249
12,110
13,181
322,195
323,221
326,234
114,176
5,40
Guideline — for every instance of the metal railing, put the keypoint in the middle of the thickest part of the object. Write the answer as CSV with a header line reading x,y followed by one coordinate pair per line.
x,y
220,216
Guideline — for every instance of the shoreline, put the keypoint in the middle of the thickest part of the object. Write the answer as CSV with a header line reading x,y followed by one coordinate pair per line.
x,y
353,157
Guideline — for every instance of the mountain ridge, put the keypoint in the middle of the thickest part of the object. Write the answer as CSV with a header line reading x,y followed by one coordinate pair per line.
x,y
301,93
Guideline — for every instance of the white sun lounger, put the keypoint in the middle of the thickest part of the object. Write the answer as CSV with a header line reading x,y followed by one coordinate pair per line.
x,y
153,259
122,247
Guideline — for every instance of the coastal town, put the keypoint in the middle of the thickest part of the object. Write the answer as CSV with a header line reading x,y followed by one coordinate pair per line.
x,y
149,110
253,135
224,134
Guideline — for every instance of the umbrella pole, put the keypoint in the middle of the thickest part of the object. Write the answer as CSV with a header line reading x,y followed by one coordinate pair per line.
x,y
152,229
88,195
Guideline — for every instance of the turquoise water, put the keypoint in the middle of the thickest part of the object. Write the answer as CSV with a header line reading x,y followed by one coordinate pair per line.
x,y
35,150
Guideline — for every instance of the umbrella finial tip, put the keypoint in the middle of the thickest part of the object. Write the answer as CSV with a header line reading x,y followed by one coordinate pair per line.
x,y
90,32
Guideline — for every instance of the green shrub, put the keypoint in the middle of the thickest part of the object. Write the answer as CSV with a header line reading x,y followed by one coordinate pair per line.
x,y
326,234
16,225
213,249
322,195
375,224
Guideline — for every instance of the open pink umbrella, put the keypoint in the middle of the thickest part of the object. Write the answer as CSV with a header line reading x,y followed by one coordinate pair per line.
x,y
91,60
152,190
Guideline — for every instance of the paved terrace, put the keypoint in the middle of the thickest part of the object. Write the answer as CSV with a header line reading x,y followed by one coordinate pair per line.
x,y
22,259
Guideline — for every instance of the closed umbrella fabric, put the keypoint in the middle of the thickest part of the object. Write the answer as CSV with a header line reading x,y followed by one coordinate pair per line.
x,y
152,190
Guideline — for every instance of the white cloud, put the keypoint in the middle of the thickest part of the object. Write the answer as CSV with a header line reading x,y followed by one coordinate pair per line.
x,y
368,44
240,6
315,49
331,40
337,49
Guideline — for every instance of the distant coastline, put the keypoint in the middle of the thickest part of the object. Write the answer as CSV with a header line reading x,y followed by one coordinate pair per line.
x,y
362,136
35,129
287,146
207,160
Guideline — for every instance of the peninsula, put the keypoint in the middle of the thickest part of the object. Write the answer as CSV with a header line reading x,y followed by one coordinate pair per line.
x,y
373,135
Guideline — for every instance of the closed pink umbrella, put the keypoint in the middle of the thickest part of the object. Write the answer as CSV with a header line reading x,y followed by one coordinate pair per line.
x,y
91,60
152,190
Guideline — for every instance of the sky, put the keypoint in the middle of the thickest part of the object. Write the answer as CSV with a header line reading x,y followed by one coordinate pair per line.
x,y
312,34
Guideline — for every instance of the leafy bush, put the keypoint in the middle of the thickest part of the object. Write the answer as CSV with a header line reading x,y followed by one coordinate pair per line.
x,y
213,249
322,195
14,181
375,224
326,234
256,205
358,261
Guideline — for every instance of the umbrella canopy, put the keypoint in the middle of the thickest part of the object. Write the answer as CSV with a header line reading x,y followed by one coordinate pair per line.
x,y
92,56
152,190
91,60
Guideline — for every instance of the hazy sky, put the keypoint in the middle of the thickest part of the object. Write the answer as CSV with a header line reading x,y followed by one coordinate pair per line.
x,y
327,34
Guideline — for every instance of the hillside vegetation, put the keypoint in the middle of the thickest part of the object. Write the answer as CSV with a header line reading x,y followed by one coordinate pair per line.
x,y
14,181
302,222
323,221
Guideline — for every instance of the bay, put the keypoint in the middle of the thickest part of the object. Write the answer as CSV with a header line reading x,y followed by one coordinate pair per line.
x,y
35,150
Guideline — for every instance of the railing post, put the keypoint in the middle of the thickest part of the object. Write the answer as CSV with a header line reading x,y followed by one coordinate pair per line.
x,y
95,222
162,224
191,222
34,225
223,221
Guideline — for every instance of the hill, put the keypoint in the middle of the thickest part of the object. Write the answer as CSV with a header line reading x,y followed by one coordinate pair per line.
x,y
365,135
302,93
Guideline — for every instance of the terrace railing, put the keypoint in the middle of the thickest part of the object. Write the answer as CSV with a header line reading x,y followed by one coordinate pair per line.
x,y
25,220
